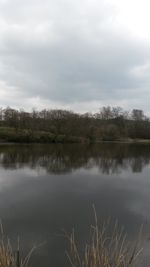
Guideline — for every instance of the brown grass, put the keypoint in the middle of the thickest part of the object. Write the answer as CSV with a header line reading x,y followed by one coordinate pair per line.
x,y
104,249
10,257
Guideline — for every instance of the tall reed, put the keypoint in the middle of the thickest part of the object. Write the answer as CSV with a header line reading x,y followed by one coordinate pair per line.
x,y
10,257
104,249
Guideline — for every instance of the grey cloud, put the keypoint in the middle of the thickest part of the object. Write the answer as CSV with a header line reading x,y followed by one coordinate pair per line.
x,y
64,54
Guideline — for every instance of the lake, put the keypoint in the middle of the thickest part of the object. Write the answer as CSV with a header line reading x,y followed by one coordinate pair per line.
x,y
45,189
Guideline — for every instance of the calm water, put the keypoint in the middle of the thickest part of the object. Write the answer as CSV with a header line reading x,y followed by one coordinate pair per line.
x,y
47,188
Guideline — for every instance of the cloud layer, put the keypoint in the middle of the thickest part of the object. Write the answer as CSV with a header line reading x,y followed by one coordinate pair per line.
x,y
70,54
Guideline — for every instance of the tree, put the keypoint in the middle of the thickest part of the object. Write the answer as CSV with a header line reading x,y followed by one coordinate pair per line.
x,y
106,113
137,115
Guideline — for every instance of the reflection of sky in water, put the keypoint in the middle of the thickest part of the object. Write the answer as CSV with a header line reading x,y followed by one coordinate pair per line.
x,y
39,197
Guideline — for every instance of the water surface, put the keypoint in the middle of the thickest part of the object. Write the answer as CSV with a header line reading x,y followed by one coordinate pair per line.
x,y
47,188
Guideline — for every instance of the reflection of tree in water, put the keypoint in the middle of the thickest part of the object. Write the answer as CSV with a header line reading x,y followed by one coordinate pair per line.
x,y
138,164
109,158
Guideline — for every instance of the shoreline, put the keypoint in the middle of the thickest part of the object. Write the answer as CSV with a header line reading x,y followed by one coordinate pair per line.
x,y
125,141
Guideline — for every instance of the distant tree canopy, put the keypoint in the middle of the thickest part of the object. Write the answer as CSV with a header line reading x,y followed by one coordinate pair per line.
x,y
137,115
56,125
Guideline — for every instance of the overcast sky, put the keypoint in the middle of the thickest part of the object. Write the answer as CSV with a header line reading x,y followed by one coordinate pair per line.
x,y
75,54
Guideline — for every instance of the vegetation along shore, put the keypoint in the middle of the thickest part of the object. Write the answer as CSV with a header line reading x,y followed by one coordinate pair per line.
x,y
64,126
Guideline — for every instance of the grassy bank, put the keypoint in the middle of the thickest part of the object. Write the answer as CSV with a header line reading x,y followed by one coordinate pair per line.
x,y
12,135
8,134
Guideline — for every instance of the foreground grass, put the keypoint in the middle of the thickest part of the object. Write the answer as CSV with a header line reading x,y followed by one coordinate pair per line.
x,y
10,257
104,249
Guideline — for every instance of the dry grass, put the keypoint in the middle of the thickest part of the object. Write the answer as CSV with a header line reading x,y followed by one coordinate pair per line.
x,y
104,249
10,257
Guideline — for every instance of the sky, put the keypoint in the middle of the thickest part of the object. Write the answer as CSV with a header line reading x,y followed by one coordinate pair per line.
x,y
75,54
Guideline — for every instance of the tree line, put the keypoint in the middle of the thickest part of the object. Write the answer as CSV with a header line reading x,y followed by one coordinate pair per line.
x,y
59,126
